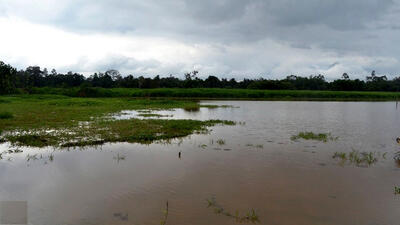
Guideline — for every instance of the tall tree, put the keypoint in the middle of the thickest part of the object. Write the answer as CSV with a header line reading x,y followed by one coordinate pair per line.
x,y
7,76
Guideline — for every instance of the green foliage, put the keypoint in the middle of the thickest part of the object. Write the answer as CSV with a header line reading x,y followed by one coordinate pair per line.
x,y
105,131
358,158
220,93
53,120
194,108
340,155
34,77
7,76
325,137
6,115
33,140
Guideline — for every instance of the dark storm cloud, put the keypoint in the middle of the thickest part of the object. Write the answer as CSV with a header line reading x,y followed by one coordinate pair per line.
x,y
234,18
360,31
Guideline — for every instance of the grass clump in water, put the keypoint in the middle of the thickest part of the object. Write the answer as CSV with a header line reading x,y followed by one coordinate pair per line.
x,y
152,115
397,157
203,146
32,140
193,108
340,155
165,213
397,190
250,216
357,158
119,157
221,141
325,137
6,115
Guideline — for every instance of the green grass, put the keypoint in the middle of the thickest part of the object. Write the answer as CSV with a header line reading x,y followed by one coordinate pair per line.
x,y
216,93
340,155
109,131
325,137
55,111
54,120
6,115
194,108
358,158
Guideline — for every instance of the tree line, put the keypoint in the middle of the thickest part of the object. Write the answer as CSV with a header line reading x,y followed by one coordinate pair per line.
x,y
12,80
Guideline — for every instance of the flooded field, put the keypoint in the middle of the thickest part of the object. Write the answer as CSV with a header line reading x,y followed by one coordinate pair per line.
x,y
259,171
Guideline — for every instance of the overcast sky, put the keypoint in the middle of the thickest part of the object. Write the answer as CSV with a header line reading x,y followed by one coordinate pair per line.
x,y
226,38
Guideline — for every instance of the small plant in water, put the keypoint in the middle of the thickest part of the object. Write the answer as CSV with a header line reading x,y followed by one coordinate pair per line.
x,y
203,146
31,157
250,216
51,157
357,158
152,115
340,155
325,137
397,157
397,190
119,157
165,213
221,141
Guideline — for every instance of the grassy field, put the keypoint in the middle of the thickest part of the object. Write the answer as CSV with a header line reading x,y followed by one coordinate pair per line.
x,y
215,93
61,121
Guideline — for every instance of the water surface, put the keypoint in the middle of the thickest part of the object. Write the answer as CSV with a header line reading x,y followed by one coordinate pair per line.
x,y
258,167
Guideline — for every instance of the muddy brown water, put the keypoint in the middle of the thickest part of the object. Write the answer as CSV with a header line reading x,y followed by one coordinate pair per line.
x,y
284,181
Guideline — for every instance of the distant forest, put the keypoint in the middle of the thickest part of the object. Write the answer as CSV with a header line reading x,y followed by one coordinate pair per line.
x,y
13,80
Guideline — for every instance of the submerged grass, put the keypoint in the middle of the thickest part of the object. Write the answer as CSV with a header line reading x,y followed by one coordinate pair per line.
x,y
250,216
221,141
106,131
59,121
165,213
325,137
358,158
152,115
